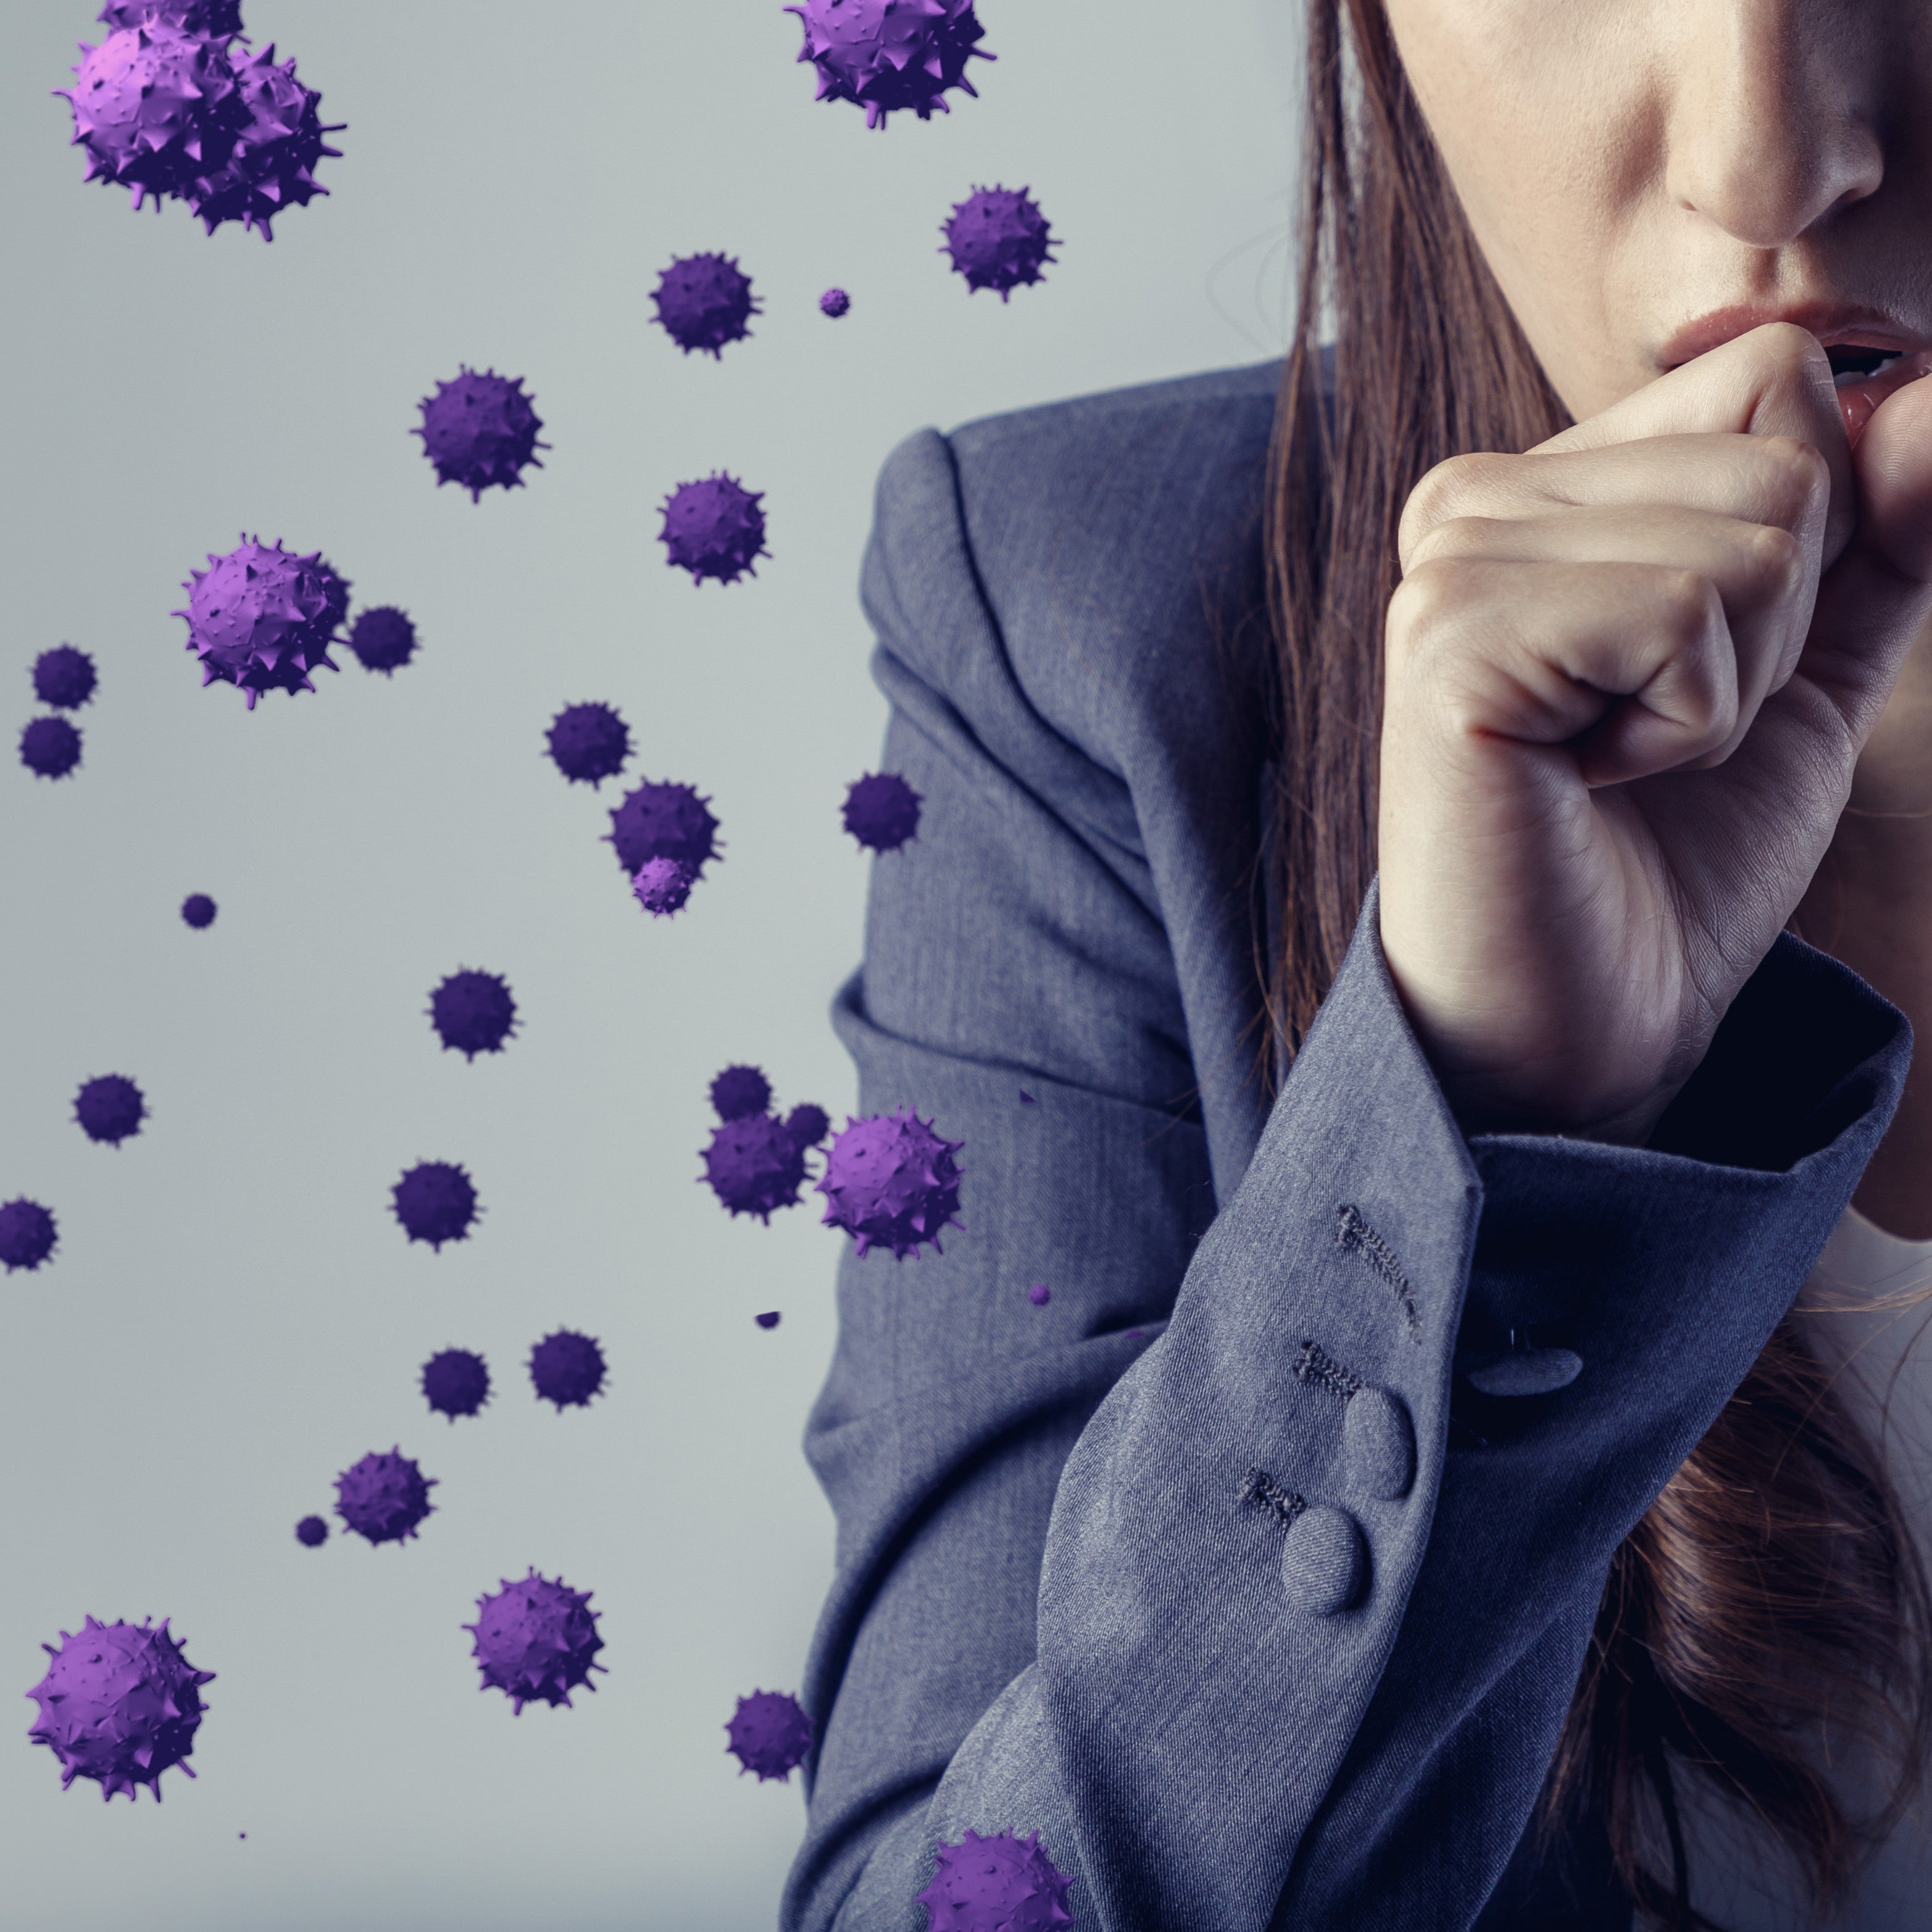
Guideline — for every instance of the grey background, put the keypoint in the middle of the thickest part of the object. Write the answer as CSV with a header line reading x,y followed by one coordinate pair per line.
x,y
233,1316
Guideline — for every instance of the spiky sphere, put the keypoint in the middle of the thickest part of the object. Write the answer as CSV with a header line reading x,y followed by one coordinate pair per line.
x,y
383,639
270,166
835,302
754,1166
705,302
472,1013
740,1090
714,528
1004,1883
455,1382
768,1733
808,1125
64,677
109,1108
384,1497
887,55
891,1182
664,821
881,811
536,1641
120,1704
436,1202
312,1532
219,20
663,887
262,618
198,910
50,746
567,1369
27,1234
998,238
589,743
478,430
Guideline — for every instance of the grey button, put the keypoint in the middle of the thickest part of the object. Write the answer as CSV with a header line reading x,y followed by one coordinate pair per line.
x,y
1528,1371
1324,1560
1378,1443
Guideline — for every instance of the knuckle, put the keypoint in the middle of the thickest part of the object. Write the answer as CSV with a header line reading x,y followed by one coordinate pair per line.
x,y
1429,602
1777,556
1791,474
1443,491
1686,599
1454,537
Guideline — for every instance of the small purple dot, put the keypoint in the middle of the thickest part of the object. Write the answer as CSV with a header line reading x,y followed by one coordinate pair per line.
x,y
770,1320
1039,1294
1027,1099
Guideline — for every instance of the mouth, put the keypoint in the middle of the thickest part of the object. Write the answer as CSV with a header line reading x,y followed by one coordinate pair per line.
x,y
1865,373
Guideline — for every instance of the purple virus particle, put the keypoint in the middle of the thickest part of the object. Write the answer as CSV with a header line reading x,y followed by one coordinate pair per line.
x,y
198,910
455,1382
887,55
436,1202
769,1734
382,639
998,239
479,430
589,743
218,19
384,1497
50,746
754,1166
808,1126
835,302
262,618
269,167
64,677
704,301
664,821
739,1091
312,1532
1027,1099
473,1012
27,1234
120,1704
770,1319
109,1108
1039,1294
881,811
891,1182
714,528
1005,1883
567,1369
536,1641
663,887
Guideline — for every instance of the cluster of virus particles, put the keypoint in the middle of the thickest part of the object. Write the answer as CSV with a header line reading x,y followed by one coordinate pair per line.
x,y
755,1163
63,679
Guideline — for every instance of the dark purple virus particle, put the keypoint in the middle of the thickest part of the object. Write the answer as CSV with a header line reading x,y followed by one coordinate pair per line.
x,y
198,910
567,1369
50,746
887,55
382,639
120,1704
664,821
479,430
835,302
663,887
262,618
269,167
754,1166
312,1532
768,1733
1039,1294
384,1497
881,811
589,743
891,1182
27,1234
109,1108
436,1202
455,1382
473,1012
740,1090
808,1126
714,528
770,1319
64,677
1005,1883
705,302
218,19
536,1641
998,239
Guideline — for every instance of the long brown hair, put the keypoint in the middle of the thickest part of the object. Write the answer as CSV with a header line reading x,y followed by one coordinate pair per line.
x,y
1771,1603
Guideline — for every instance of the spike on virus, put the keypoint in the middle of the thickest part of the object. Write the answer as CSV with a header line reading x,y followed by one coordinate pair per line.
x,y
436,1202
219,20
480,431
50,746
383,639
769,1734
472,1013
455,1382
384,1497
663,887
1004,1883
754,1166
262,618
120,1704
198,910
887,55
891,1182
714,528
312,1532
808,1126
269,167
999,239
705,302
110,1108
881,811
536,1641
589,743
661,822
27,1234
567,1369
740,1090
64,677
835,303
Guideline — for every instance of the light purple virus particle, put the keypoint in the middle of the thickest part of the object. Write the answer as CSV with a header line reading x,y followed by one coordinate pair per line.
x,y
567,1369
808,1126
881,811
663,821
1039,1294
455,1382
740,1090
705,302
714,528
663,887
436,1202
536,1641
312,1532
64,677
884,55
384,1497
472,1013
383,639
109,1108
754,1166
481,430
219,20
50,746
27,1234
891,1182
769,1734
998,239
1004,1883
269,167
835,302
589,743
262,618
770,1319
198,910
120,1704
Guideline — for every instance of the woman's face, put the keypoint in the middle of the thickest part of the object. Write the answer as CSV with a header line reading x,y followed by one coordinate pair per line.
x,y
1649,178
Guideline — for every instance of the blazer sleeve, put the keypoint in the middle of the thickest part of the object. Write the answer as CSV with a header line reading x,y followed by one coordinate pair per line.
x,y
1216,1570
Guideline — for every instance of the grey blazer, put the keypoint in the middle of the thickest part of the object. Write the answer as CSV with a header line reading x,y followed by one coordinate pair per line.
x,y
1217,1570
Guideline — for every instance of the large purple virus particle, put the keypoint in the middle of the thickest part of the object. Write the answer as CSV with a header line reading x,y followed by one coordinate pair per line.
x,y
705,302
64,677
120,1704
312,1532
664,821
808,1126
109,1108
589,743
567,1369
714,528
478,430
663,887
740,1090
436,1202
768,1733
455,1382
270,164
835,303
887,55
998,239
472,1013
754,1166
198,910
1004,1883
262,618
50,746
219,20
536,1641
891,1182
27,1234
881,811
384,1497
383,639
